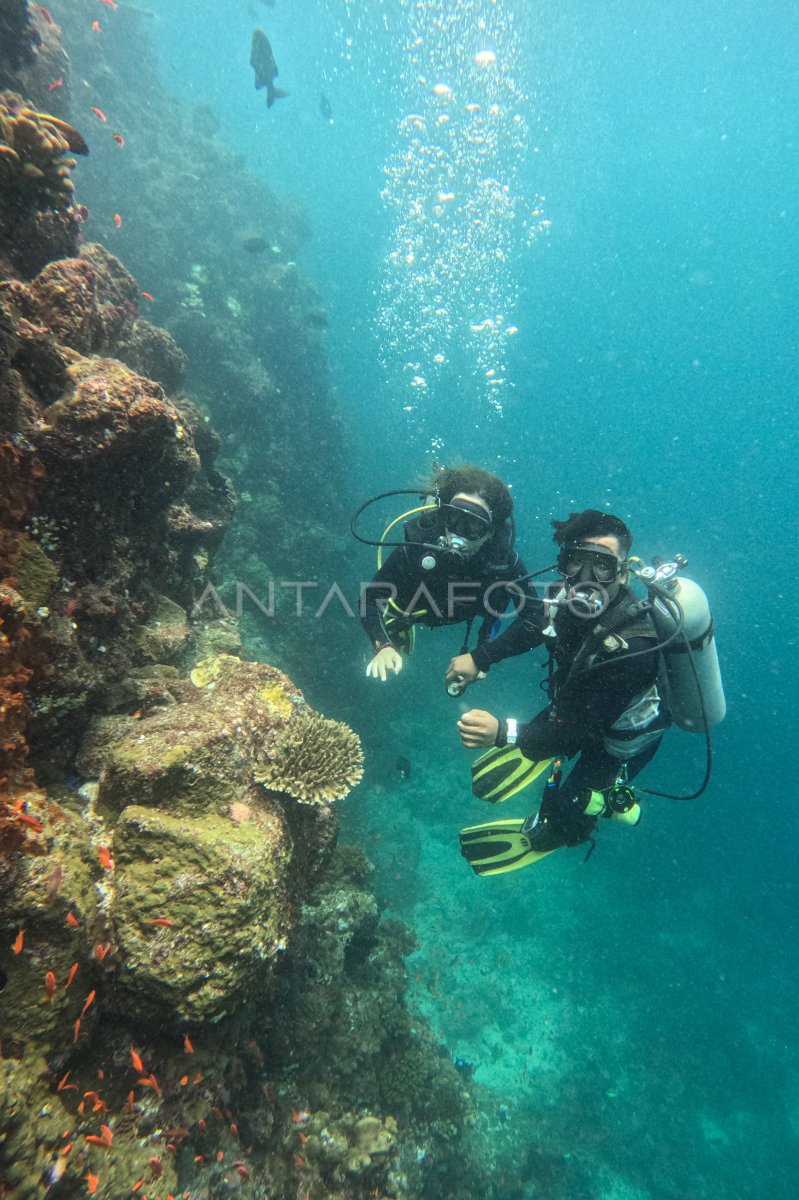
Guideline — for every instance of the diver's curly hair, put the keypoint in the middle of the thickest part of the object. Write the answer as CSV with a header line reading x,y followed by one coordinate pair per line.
x,y
592,523
446,482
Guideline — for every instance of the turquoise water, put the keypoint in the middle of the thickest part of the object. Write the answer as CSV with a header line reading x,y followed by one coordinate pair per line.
x,y
635,1015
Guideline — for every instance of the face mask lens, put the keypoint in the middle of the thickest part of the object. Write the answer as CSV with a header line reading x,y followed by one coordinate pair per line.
x,y
604,568
466,524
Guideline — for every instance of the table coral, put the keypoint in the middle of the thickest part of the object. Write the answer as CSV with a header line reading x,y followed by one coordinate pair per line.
x,y
315,760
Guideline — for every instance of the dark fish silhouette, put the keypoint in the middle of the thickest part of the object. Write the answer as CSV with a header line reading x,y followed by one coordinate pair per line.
x,y
255,245
262,61
404,767
325,107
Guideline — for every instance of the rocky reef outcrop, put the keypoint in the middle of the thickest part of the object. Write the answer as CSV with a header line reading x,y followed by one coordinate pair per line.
x,y
197,992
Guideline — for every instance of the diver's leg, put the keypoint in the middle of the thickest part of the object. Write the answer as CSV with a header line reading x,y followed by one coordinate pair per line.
x,y
561,819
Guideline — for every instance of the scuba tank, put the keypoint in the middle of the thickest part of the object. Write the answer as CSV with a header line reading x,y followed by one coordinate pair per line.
x,y
684,624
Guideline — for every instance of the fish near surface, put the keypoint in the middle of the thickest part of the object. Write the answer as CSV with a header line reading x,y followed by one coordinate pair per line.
x,y
262,61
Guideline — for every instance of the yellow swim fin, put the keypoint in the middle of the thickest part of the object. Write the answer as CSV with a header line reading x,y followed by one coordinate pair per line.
x,y
502,772
498,847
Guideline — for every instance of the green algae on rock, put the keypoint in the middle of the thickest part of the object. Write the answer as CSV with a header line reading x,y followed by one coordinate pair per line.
x,y
218,885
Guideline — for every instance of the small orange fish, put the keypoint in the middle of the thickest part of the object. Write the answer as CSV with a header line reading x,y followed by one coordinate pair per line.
x,y
49,985
77,1030
118,138
298,1161
118,220
187,1046
96,27
156,1167
18,941
91,1183
107,1133
91,1096
161,921
171,1147
88,1004
147,296
33,822
104,858
184,1079
129,1102
82,1107
220,1154
138,1065
138,1185
72,921
94,1140
57,83
242,1170
66,1149
63,1086
304,1139
73,970
100,1106
101,951
100,1073
98,112
110,3
198,1078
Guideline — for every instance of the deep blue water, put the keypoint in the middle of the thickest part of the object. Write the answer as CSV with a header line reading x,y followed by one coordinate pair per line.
x,y
654,374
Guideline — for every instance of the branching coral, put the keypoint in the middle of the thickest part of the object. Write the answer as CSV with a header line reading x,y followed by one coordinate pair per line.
x,y
315,760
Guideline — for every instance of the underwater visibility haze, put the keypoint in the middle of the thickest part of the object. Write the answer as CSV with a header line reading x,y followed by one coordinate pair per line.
x,y
259,262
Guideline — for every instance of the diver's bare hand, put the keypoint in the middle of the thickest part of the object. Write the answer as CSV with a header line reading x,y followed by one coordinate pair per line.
x,y
463,671
386,660
478,728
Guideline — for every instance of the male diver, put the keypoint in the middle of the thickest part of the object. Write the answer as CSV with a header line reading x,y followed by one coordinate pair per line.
x,y
606,701
457,563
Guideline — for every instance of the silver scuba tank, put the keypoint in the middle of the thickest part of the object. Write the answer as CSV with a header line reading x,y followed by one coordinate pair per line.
x,y
697,631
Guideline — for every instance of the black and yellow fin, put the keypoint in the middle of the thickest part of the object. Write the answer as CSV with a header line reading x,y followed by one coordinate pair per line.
x,y
498,847
502,772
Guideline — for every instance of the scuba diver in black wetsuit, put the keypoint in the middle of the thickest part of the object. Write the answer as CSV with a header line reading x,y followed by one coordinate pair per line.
x,y
605,688
457,563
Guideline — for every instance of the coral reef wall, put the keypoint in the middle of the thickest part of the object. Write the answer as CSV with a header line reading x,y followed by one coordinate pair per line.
x,y
197,994
217,250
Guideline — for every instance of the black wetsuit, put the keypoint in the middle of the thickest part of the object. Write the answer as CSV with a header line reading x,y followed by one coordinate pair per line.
x,y
609,715
455,589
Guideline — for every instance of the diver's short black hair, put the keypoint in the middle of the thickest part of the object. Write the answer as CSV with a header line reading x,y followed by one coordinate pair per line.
x,y
592,523
446,482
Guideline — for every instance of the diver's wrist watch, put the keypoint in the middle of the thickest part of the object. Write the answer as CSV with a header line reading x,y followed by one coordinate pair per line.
x,y
511,731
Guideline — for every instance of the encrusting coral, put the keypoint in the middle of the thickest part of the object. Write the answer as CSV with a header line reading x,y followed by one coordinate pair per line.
x,y
315,760
37,220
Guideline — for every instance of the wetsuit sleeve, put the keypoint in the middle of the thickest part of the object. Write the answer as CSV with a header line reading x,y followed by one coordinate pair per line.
x,y
522,635
384,586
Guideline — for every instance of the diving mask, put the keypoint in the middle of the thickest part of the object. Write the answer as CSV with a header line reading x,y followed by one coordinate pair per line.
x,y
589,563
464,522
